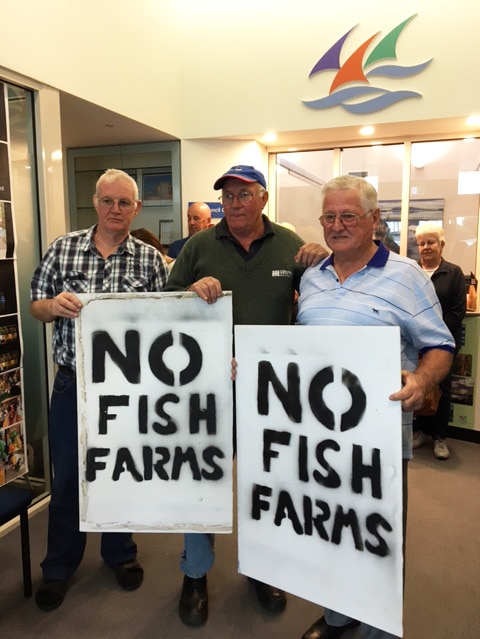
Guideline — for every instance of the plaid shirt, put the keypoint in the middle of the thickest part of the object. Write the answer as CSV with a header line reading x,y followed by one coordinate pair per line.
x,y
73,264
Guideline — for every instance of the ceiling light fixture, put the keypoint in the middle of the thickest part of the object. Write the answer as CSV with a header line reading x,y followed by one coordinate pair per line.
x,y
269,137
473,120
367,130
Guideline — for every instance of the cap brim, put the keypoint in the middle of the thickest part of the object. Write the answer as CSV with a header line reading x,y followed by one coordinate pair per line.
x,y
219,183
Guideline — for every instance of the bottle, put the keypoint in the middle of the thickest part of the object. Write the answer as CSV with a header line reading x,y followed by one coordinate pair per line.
x,y
472,294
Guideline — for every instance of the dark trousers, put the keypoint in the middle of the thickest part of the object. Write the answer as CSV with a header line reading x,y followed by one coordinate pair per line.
x,y
437,425
66,544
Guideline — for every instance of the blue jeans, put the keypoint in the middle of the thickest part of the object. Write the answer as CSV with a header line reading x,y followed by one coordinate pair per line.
x,y
198,555
66,544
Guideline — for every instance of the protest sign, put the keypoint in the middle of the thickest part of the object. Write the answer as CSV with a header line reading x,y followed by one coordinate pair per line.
x,y
320,466
155,413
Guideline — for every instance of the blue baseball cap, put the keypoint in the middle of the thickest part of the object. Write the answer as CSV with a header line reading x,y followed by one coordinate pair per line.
x,y
241,172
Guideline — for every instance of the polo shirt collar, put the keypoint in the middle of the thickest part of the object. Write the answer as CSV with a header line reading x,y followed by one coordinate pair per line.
x,y
377,261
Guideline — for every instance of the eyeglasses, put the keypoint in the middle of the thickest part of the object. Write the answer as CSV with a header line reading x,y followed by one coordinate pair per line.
x,y
108,203
347,219
244,197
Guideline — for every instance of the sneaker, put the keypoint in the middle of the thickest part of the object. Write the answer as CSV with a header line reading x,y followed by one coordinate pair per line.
x,y
440,449
419,438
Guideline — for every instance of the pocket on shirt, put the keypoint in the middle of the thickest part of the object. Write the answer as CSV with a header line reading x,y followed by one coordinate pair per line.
x,y
136,283
75,282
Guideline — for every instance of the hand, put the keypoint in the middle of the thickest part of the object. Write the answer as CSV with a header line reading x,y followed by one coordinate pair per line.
x,y
311,254
233,376
65,305
413,392
208,289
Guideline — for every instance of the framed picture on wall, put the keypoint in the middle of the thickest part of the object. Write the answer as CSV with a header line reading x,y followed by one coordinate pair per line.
x,y
157,189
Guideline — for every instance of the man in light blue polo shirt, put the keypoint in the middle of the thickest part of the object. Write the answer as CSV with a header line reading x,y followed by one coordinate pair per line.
x,y
363,284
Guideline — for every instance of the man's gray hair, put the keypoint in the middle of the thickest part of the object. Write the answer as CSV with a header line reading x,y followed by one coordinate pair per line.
x,y
368,194
113,175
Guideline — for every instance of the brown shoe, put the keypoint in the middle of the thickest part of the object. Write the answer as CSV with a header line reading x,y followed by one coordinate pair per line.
x,y
270,598
193,605
321,630
129,575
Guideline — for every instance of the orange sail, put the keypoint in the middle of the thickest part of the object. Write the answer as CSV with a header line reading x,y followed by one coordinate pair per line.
x,y
352,69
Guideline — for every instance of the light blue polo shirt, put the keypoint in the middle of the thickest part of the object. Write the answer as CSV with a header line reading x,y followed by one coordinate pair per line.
x,y
390,290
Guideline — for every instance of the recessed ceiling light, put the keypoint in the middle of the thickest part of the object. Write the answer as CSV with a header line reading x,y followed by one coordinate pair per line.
x,y
473,120
270,137
367,130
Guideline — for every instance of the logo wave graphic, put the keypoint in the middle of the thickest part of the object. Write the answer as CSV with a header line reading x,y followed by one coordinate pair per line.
x,y
356,70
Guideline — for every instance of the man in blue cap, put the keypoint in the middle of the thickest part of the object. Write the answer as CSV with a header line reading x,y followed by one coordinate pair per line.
x,y
261,263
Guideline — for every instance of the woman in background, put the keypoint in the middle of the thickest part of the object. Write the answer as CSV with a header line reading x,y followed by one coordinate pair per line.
x,y
449,283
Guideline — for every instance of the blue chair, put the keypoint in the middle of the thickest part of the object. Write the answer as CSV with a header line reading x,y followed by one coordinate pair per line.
x,y
14,502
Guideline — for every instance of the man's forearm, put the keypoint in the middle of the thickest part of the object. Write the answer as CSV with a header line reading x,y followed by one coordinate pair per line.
x,y
434,366
42,310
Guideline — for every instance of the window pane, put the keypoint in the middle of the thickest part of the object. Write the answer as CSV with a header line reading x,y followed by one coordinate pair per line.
x,y
434,176
382,166
300,177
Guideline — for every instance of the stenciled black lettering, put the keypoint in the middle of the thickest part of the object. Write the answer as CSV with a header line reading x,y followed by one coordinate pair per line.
x,y
147,455
196,359
128,363
354,415
332,478
285,508
343,520
169,426
125,462
289,397
258,503
273,437
159,465
208,414
104,403
321,517
307,515
187,456
373,522
360,470
209,455
92,464
303,458
315,397
161,370
143,414
155,358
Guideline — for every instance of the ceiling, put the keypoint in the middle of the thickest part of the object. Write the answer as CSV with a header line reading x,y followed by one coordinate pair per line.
x,y
86,124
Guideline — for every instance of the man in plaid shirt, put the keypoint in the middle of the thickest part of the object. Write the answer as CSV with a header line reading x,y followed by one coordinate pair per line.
x,y
102,259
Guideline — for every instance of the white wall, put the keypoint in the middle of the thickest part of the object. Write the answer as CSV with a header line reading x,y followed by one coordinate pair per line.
x,y
255,61
208,69
203,161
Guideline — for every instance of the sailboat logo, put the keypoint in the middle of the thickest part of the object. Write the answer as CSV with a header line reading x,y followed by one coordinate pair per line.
x,y
354,77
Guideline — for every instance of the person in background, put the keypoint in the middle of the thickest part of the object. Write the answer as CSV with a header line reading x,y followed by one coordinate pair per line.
x,y
102,259
261,263
148,237
449,282
363,284
199,217
383,233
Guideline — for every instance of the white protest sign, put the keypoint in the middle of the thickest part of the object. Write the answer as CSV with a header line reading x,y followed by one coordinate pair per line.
x,y
155,413
320,466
